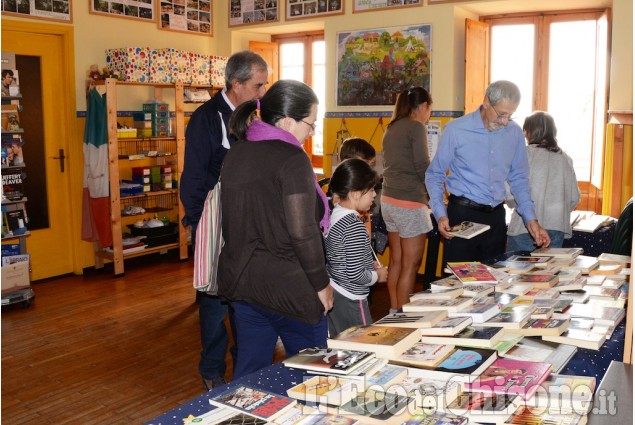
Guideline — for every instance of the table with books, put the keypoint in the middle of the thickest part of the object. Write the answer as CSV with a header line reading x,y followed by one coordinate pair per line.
x,y
507,343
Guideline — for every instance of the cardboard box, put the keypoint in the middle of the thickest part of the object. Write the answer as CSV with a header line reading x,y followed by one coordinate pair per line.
x,y
15,276
217,70
131,63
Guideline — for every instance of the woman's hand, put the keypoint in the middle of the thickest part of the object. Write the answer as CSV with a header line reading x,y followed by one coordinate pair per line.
x,y
326,297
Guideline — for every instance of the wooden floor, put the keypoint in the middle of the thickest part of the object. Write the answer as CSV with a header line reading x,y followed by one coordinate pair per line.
x,y
95,349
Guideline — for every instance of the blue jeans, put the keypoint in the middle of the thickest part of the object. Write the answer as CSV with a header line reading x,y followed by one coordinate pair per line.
x,y
258,331
525,242
211,314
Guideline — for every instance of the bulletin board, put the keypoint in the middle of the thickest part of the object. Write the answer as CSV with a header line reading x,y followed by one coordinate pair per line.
x,y
142,10
190,16
298,9
53,10
372,5
249,12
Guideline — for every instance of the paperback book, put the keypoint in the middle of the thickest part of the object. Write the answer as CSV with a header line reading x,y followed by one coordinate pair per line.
x,y
536,261
438,294
376,408
570,285
511,317
606,269
253,401
463,365
477,290
540,281
471,272
472,336
426,319
511,377
326,360
557,252
514,266
422,354
468,229
606,258
579,338
542,327
385,341
563,389
584,264
436,418
446,283
536,350
447,327
332,390
429,393
525,415
478,312
456,304
386,376
483,408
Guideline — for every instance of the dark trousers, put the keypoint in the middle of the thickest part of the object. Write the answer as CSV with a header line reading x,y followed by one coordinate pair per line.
x,y
483,247
258,331
211,313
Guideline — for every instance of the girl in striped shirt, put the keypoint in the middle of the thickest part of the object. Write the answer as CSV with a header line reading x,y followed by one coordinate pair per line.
x,y
349,255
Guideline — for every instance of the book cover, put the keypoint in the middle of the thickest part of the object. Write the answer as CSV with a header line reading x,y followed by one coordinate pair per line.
x,y
437,294
540,281
384,341
447,327
510,318
557,252
376,408
468,229
339,362
606,269
422,354
429,393
436,418
12,184
525,415
607,258
446,283
541,294
511,377
536,261
386,376
471,336
477,290
600,292
514,266
483,408
568,275
570,285
591,224
536,350
424,319
474,272
479,312
584,263
332,390
579,338
572,387
603,315
463,365
253,401
455,304
542,327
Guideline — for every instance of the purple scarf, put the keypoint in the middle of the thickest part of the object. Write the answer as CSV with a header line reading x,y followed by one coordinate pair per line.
x,y
259,131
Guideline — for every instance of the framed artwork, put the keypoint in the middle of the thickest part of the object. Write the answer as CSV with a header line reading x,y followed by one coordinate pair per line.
x,y
142,10
190,16
54,10
374,66
445,1
246,12
298,9
372,5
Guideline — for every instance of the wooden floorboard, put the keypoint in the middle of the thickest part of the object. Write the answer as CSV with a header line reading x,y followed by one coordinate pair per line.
x,y
96,349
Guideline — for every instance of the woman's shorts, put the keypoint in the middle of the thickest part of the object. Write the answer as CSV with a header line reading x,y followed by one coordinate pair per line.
x,y
408,222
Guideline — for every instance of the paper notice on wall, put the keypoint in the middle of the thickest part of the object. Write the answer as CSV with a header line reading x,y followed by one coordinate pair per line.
x,y
434,137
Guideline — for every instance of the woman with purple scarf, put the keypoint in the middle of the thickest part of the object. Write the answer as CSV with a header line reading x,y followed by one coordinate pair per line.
x,y
272,266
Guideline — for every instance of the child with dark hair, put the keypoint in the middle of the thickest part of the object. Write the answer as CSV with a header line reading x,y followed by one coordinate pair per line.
x,y
356,147
349,255
553,184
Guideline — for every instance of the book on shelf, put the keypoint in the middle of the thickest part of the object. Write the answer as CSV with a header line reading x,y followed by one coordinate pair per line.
x,y
456,304
484,408
429,393
386,376
254,402
422,354
468,229
326,360
542,327
447,327
324,419
477,290
437,294
540,281
385,341
471,272
578,338
526,415
464,364
478,312
436,418
471,336
510,317
557,252
511,377
425,319
375,408
584,263
446,283
606,269
537,350
571,285
536,261
607,258
334,390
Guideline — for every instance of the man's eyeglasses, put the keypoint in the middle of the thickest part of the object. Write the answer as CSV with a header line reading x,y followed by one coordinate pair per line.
x,y
501,117
313,126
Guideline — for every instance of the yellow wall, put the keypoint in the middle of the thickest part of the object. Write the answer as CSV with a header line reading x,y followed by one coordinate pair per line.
x,y
95,33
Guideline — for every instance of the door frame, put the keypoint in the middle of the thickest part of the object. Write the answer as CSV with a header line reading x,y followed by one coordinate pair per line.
x,y
68,127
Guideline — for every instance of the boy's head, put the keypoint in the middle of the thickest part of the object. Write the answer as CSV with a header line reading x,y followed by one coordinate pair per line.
x,y
356,147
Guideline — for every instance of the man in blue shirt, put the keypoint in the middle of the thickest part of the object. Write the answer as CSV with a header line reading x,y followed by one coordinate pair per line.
x,y
482,150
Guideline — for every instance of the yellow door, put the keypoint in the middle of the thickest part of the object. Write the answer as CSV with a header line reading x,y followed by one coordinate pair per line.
x,y
51,247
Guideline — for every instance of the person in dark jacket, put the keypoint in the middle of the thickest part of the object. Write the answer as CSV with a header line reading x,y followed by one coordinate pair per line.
x,y
207,141
272,266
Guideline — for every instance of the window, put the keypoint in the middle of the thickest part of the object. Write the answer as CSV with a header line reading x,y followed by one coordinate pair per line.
x,y
559,61
303,58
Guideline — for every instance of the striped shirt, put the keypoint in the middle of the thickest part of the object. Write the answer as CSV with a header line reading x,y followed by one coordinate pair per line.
x,y
349,259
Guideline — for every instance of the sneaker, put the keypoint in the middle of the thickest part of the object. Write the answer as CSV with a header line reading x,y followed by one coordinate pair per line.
x,y
214,382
